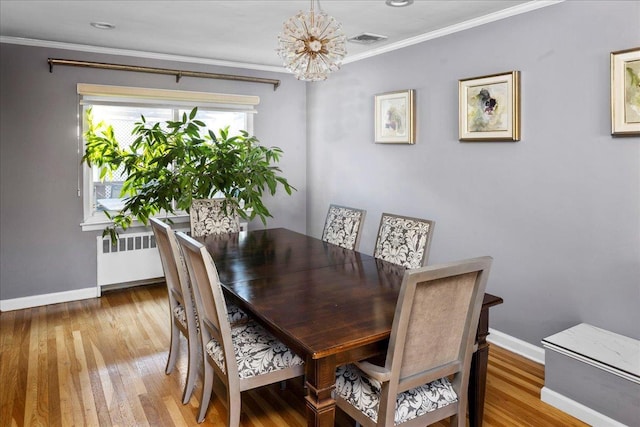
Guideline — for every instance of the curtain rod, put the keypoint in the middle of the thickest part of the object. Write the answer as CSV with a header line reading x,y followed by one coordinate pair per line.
x,y
178,73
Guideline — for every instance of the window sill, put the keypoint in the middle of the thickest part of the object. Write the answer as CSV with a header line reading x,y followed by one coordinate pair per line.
x,y
100,222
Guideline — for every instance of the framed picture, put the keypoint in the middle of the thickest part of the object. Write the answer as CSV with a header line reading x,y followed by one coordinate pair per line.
x,y
625,92
490,107
394,117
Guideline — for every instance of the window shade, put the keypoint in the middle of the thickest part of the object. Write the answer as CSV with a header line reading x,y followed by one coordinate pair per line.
x,y
106,94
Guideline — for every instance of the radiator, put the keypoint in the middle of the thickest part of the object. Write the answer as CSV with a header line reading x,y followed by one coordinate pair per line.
x,y
133,258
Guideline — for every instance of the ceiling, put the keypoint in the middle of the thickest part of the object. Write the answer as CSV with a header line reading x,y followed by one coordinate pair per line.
x,y
237,32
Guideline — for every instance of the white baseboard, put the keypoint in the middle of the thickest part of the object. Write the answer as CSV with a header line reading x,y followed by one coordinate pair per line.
x,y
46,299
576,409
516,345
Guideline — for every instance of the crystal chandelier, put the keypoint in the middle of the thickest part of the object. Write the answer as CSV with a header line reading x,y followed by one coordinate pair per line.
x,y
312,45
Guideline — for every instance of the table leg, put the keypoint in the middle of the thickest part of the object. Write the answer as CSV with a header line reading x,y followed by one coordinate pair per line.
x,y
320,380
478,378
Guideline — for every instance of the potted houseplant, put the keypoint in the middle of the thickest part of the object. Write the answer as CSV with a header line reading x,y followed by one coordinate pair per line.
x,y
170,164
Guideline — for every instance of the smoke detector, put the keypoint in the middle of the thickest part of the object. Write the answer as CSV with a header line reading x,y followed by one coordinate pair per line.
x,y
399,3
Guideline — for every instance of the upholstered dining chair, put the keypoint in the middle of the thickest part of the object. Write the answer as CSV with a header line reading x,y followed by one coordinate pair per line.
x,y
404,240
242,357
343,226
181,304
213,216
426,372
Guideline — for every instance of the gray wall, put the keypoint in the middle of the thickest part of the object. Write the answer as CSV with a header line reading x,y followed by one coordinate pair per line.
x,y
559,211
42,247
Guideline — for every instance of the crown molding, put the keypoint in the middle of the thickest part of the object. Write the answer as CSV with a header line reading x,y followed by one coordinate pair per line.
x,y
138,54
472,23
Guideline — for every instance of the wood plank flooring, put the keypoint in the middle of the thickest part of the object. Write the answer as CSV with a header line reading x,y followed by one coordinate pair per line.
x,y
100,362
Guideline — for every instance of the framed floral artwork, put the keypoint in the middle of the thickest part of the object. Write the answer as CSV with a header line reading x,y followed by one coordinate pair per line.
x,y
394,117
490,107
625,92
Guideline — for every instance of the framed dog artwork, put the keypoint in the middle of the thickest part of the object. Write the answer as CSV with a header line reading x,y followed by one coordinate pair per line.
x,y
625,92
394,117
490,107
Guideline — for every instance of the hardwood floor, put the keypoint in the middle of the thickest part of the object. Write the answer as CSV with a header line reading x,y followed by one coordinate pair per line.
x,y
100,362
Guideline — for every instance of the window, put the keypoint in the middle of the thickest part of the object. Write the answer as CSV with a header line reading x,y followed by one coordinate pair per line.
x,y
122,107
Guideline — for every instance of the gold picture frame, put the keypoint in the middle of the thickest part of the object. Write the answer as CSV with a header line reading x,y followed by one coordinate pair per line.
x,y
625,92
490,107
394,117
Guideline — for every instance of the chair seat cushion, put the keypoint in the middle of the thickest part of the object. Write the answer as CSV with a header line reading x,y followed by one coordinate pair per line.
x,y
235,314
363,393
257,351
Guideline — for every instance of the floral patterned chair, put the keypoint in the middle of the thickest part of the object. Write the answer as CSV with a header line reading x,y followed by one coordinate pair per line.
x,y
184,318
403,240
213,216
243,356
426,372
343,226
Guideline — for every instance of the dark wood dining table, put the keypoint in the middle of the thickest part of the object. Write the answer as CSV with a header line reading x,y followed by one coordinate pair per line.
x,y
331,305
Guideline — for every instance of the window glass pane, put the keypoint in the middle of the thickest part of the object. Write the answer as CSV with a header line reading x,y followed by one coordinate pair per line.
x,y
106,193
216,120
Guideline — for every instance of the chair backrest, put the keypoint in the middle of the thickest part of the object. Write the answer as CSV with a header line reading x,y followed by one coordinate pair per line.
x,y
213,216
343,226
210,304
435,324
404,240
175,272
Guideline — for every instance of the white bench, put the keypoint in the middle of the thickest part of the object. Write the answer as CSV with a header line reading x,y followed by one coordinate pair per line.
x,y
594,375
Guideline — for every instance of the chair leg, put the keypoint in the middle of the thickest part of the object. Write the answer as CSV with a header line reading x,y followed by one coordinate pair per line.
x,y
458,420
192,370
233,408
206,391
173,347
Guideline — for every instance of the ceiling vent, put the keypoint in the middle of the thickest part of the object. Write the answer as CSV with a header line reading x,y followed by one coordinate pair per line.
x,y
367,38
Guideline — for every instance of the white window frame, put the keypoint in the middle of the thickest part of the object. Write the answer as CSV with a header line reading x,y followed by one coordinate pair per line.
x,y
123,95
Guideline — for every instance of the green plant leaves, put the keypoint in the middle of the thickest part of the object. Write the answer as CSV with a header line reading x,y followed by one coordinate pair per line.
x,y
170,164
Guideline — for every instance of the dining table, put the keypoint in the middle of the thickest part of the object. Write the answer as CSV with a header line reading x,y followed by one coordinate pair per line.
x,y
330,305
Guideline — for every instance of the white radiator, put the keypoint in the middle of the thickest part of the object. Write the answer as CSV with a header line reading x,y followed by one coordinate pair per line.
x,y
134,258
